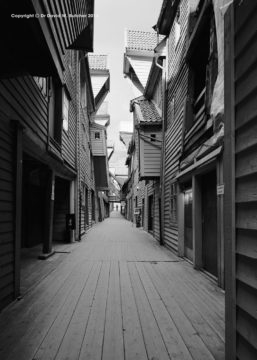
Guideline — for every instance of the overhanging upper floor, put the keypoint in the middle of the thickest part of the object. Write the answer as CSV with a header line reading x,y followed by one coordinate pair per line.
x,y
36,33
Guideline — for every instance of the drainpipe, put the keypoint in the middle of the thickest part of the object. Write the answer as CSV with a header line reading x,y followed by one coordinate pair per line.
x,y
162,172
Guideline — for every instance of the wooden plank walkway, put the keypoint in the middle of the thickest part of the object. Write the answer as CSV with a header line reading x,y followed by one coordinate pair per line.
x,y
116,295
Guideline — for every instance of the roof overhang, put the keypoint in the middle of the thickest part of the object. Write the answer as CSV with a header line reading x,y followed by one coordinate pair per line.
x,y
202,20
166,17
90,94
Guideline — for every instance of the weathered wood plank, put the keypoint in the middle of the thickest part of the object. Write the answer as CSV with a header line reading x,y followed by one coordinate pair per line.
x,y
194,343
133,337
93,340
73,338
154,343
113,347
61,321
173,341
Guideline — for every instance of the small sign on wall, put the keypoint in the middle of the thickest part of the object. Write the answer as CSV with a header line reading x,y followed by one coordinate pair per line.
x,y
137,211
220,189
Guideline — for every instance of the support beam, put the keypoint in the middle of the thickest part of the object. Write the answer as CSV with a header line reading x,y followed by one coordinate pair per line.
x,y
220,226
18,208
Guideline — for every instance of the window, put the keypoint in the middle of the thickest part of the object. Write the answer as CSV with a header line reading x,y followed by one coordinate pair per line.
x,y
65,112
153,137
97,135
177,27
173,202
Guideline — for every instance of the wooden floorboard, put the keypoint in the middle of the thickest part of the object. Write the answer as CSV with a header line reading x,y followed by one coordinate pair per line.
x,y
117,295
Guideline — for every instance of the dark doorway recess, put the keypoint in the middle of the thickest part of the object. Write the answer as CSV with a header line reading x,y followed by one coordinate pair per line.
x,y
209,222
33,202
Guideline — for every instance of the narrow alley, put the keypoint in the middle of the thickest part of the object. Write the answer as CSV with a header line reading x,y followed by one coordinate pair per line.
x,y
116,295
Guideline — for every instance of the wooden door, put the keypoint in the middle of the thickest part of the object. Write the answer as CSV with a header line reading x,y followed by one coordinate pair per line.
x,y
209,223
188,202
150,213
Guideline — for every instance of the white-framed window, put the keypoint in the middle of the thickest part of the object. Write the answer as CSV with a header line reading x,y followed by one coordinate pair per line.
x,y
177,27
65,112
173,202
97,135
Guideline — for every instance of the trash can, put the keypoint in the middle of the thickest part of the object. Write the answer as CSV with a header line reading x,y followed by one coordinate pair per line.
x,y
70,222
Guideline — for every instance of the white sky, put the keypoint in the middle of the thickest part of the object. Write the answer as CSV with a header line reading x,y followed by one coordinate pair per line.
x,y
112,18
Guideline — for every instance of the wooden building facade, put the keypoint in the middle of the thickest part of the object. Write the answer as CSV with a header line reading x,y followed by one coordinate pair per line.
x,y
39,129
100,76
240,180
193,135
142,189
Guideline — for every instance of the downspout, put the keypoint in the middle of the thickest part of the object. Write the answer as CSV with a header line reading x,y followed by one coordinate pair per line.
x,y
162,170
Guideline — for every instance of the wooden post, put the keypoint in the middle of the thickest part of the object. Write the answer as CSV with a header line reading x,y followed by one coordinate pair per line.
x,y
18,208
229,183
197,223
220,226
49,214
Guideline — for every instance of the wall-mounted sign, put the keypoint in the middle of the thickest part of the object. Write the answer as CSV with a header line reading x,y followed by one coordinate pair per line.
x,y
137,211
220,189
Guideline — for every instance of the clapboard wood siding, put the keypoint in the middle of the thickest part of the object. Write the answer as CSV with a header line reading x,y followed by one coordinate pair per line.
x,y
150,154
71,82
7,216
177,92
23,101
98,144
86,167
241,201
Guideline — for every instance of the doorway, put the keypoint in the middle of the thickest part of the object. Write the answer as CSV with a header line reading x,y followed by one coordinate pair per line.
x,y
33,202
209,223
150,213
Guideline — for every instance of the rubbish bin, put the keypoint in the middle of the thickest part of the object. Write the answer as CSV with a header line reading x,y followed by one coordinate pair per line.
x,y
70,222
138,220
